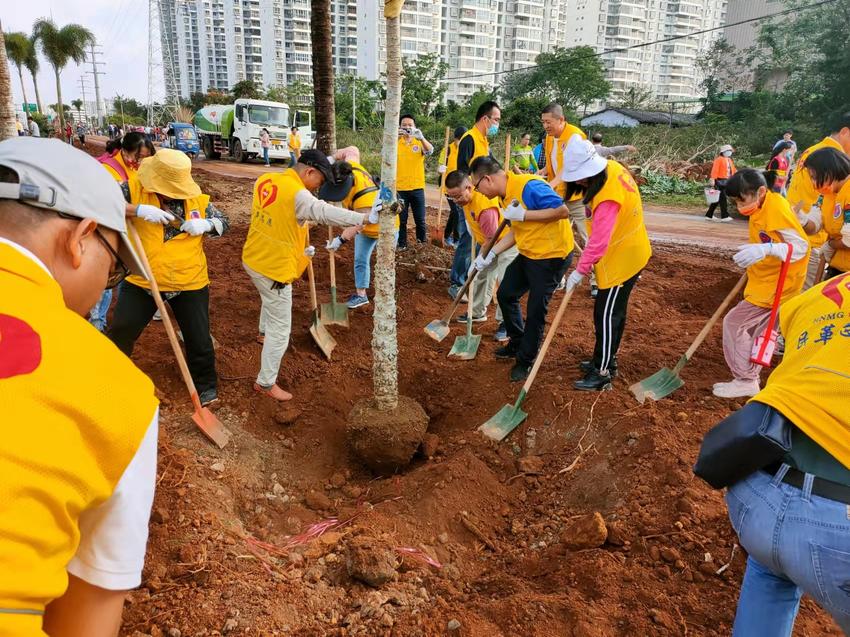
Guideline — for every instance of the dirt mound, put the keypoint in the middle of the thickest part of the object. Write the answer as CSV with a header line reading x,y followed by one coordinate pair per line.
x,y
385,440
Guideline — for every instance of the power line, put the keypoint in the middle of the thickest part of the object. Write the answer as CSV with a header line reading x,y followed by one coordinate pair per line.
x,y
646,44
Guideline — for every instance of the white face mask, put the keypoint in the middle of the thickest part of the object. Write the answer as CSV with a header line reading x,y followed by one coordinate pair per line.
x,y
727,153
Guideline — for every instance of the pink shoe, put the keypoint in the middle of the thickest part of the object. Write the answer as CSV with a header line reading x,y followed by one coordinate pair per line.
x,y
274,391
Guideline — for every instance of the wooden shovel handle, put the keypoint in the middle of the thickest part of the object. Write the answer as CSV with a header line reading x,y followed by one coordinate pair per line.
x,y
547,341
166,319
716,316
332,260
314,303
507,153
443,182
484,252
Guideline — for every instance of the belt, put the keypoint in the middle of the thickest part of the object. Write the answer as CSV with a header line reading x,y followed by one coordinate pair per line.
x,y
820,486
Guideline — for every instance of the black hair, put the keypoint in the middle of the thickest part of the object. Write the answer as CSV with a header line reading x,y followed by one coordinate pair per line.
x,y
745,182
341,170
265,129
837,121
455,178
553,108
783,145
132,143
483,166
788,132
406,115
460,131
592,188
294,128
485,109
828,165
597,138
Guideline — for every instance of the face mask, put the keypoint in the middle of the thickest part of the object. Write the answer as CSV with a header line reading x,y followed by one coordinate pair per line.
x,y
727,153
493,129
825,190
748,209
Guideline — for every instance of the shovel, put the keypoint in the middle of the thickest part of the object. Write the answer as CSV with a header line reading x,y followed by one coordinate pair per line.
x,y
510,417
665,381
466,347
438,329
320,333
206,421
334,313
437,236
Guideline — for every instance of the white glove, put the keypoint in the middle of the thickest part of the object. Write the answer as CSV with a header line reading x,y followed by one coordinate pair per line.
x,y
376,210
514,212
310,251
417,134
845,234
152,214
334,245
751,253
196,227
482,262
574,280
441,169
814,215
828,252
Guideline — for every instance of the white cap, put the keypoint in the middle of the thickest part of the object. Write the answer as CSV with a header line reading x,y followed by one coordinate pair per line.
x,y
726,147
56,176
581,160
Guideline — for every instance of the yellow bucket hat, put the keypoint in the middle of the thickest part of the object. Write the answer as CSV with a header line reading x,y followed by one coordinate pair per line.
x,y
168,173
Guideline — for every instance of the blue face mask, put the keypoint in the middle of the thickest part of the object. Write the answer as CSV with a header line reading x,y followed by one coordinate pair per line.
x,y
493,129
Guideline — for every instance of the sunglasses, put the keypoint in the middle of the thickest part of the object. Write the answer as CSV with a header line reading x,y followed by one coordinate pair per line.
x,y
119,271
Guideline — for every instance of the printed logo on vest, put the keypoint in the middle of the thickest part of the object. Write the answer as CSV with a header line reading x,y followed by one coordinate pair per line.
x,y
20,347
588,212
836,211
267,192
195,214
764,237
415,149
831,290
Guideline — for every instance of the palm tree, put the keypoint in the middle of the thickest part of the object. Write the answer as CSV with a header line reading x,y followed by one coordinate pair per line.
x,y
18,51
323,75
7,108
78,104
60,46
32,66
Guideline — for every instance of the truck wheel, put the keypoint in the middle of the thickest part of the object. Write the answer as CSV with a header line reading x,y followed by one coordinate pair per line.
x,y
209,153
238,154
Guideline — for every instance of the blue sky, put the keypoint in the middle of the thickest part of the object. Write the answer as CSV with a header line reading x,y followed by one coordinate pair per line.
x,y
121,28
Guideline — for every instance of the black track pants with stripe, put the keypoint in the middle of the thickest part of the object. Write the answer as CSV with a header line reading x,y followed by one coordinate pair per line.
x,y
609,318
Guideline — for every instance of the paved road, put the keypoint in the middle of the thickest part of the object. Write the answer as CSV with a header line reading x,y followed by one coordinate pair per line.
x,y
664,226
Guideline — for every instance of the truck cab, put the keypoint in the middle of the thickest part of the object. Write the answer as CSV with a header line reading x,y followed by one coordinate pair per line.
x,y
181,136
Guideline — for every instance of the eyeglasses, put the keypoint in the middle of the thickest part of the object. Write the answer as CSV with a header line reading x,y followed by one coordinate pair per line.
x,y
480,180
119,271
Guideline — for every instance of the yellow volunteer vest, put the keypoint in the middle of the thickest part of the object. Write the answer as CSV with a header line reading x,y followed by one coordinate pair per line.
x,y
765,223
537,239
411,165
131,172
475,207
481,145
75,410
811,385
629,250
362,196
451,163
178,264
295,141
555,170
276,241
835,210
802,192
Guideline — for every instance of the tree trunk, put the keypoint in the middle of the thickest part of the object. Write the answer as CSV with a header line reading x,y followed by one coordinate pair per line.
x,y
384,334
323,75
23,91
7,108
37,95
60,106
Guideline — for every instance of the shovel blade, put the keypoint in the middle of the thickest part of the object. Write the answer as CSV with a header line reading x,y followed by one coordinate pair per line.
x,y
334,314
437,329
503,422
323,338
660,385
437,237
211,426
465,347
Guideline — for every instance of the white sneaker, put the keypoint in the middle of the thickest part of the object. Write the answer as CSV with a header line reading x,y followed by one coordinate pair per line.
x,y
726,220
562,285
737,388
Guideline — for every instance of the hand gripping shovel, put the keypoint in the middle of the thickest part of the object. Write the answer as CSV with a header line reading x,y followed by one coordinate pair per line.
x,y
437,236
466,347
665,381
334,313
319,332
438,329
206,421
510,417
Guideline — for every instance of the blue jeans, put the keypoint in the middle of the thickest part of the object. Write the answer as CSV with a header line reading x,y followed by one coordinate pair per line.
x,y
460,263
97,316
415,200
266,154
363,248
797,543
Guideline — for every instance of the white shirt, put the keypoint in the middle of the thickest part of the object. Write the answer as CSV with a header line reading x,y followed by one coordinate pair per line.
x,y
114,535
34,131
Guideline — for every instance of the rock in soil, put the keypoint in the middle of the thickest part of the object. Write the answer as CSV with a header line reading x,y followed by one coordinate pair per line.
x,y
371,561
317,501
430,442
587,532
530,464
386,440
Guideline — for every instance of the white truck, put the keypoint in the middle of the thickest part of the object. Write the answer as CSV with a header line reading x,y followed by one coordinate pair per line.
x,y
235,129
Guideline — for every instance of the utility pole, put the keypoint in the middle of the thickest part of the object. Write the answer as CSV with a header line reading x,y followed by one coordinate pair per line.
x,y
95,73
121,104
83,87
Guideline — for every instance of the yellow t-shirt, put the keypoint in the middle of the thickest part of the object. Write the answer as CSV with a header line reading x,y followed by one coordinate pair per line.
x,y
471,211
836,212
811,386
411,164
628,250
765,224
554,149
802,192
294,141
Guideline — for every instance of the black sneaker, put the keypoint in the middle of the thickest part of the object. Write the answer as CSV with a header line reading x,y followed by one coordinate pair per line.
x,y
588,366
507,352
208,397
520,372
594,381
